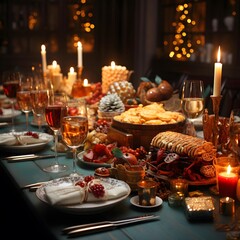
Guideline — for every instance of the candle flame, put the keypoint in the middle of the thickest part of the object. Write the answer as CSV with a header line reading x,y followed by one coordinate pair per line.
x,y
79,44
85,82
113,64
43,48
227,199
71,70
219,54
228,169
54,63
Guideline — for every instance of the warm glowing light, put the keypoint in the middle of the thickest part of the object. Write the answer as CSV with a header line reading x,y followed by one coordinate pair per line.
x,y
185,5
184,34
229,169
179,55
71,70
54,64
189,20
85,82
186,12
193,22
171,54
113,64
43,49
219,55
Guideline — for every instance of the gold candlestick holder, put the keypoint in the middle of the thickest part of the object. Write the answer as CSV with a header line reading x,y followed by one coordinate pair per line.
x,y
79,73
216,100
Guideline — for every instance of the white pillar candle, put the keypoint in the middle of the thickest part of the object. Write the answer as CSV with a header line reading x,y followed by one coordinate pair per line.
x,y
79,50
217,76
57,80
44,61
113,73
72,76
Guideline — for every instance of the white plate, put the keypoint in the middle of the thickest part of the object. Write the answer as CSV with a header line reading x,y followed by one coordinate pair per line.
x,y
135,201
84,208
29,148
8,115
91,164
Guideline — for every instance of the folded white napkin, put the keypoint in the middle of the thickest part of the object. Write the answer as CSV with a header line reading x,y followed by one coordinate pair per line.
x,y
66,195
6,111
10,140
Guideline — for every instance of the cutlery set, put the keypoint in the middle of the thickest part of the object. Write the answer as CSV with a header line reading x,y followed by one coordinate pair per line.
x,y
77,230
20,158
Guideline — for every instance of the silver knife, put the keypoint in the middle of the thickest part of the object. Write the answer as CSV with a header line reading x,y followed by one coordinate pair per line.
x,y
27,157
101,226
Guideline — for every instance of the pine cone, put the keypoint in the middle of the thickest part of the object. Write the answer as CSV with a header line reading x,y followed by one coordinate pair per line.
x,y
111,103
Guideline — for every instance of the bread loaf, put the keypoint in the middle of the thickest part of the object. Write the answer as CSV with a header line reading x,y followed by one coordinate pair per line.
x,y
185,145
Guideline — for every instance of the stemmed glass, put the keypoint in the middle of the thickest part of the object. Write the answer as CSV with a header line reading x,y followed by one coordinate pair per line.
x,y
10,87
75,128
234,131
54,112
192,101
39,97
24,97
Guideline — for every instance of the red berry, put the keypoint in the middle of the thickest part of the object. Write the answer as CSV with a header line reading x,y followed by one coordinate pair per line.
x,y
97,190
88,178
81,184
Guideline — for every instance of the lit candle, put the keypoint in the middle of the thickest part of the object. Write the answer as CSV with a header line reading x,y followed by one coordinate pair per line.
x,y
217,76
227,206
79,49
227,183
85,82
44,61
72,76
55,68
113,65
111,74
87,87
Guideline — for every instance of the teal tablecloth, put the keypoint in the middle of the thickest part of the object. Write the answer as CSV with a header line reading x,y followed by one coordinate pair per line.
x,y
173,223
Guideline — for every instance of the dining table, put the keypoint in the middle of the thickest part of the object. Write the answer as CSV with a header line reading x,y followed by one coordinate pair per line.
x,y
24,214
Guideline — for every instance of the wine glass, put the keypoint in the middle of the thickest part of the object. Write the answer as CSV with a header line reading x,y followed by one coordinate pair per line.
x,y
39,97
54,111
24,97
234,131
75,128
10,87
192,102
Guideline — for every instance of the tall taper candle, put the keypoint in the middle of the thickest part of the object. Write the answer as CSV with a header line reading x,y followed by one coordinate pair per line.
x,y
217,76
79,50
44,61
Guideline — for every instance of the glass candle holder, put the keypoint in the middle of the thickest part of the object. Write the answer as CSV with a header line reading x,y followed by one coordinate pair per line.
x,y
179,186
147,190
227,174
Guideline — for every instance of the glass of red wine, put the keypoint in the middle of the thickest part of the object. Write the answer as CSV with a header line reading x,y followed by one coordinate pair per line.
x,y
10,80
54,111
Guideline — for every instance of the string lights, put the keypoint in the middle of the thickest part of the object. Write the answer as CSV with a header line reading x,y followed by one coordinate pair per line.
x,y
183,45
82,16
